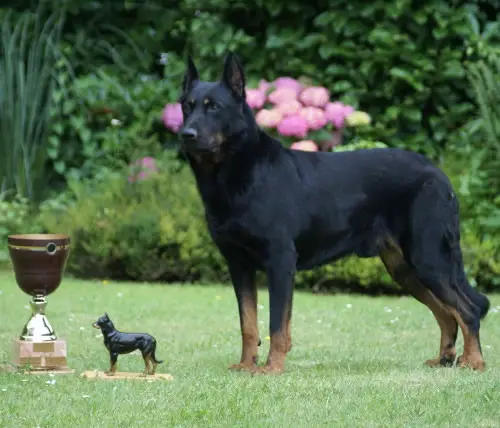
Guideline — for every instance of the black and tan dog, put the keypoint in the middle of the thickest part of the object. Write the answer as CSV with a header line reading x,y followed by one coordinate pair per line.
x,y
278,210
123,343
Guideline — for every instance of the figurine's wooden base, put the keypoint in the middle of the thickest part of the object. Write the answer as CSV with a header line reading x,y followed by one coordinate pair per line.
x,y
40,355
94,374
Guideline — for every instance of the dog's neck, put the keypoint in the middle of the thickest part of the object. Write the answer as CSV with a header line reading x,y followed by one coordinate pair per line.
x,y
218,184
108,330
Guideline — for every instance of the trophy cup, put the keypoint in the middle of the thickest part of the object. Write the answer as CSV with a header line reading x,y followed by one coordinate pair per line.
x,y
39,261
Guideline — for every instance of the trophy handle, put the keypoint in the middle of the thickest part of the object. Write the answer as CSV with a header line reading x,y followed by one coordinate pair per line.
x,y
51,248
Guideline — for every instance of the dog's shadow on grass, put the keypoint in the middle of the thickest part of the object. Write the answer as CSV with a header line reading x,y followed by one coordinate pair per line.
x,y
347,366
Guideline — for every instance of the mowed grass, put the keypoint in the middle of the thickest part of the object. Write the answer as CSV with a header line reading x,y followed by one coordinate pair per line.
x,y
356,361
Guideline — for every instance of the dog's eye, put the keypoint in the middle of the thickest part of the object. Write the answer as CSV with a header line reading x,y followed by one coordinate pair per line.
x,y
211,106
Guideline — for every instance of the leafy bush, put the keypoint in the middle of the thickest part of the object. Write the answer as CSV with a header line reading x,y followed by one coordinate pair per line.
x,y
399,60
482,182
144,228
105,120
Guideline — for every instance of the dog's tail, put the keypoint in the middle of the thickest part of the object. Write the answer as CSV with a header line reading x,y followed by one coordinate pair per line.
x,y
153,356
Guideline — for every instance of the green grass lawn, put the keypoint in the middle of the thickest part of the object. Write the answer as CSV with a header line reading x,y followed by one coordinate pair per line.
x,y
356,361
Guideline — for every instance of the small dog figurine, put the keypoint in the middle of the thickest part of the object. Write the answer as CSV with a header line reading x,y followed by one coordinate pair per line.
x,y
123,343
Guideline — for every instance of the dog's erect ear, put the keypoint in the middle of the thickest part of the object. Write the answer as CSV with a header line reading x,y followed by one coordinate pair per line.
x,y
190,76
233,76
106,315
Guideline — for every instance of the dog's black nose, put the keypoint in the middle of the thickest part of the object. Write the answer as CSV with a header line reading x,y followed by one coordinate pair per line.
x,y
189,134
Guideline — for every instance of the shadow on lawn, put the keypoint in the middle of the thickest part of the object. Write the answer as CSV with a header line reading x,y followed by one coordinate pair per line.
x,y
358,366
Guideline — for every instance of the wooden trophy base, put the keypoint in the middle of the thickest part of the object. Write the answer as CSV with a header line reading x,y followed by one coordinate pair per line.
x,y
94,374
40,357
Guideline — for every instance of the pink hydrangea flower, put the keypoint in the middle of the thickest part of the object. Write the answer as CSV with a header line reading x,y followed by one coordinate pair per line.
x,y
268,118
315,117
172,117
288,108
282,95
142,169
264,86
255,98
305,145
289,83
315,96
337,112
293,126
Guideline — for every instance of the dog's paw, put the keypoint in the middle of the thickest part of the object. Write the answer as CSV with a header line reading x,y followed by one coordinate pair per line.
x,y
268,370
440,362
242,367
464,362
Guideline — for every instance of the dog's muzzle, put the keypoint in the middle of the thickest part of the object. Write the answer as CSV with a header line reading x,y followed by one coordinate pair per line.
x,y
192,142
95,325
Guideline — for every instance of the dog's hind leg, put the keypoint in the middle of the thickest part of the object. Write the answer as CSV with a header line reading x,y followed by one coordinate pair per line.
x,y
435,254
146,356
403,274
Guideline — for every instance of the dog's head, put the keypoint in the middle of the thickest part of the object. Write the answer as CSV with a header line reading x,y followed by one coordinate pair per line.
x,y
103,322
215,113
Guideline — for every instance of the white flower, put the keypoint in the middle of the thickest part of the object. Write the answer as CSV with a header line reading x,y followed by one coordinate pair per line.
x,y
348,306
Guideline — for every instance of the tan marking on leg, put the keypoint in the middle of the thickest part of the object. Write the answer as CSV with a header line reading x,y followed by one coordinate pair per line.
x,y
249,334
153,371
147,360
401,272
112,369
280,345
472,356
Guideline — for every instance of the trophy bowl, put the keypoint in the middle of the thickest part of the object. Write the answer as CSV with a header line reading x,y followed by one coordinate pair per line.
x,y
39,261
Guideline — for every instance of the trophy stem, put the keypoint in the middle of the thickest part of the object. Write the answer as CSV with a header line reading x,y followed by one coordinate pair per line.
x,y
38,328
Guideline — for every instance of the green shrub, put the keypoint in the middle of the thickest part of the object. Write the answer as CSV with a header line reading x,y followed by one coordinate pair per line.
x,y
151,229
107,120
482,182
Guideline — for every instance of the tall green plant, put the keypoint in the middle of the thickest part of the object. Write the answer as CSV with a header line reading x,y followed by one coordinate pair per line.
x,y
484,178
30,51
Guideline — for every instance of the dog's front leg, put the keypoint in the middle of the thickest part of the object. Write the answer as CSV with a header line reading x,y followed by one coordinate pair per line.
x,y
243,278
280,273
112,368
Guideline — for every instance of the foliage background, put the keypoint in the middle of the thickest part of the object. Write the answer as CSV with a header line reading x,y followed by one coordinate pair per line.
x,y
413,66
